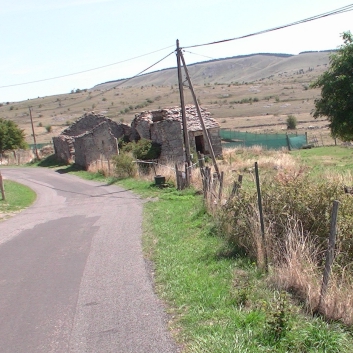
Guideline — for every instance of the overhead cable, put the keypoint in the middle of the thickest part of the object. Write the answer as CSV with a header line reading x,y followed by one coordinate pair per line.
x,y
115,86
326,14
88,70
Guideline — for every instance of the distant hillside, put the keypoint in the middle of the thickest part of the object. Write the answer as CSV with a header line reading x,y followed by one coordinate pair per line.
x,y
244,68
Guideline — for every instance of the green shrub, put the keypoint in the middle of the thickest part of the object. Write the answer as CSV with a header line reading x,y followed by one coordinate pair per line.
x,y
124,165
143,149
291,122
49,128
290,199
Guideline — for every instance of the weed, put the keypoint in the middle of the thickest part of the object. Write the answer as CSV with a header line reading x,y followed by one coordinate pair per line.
x,y
124,165
278,318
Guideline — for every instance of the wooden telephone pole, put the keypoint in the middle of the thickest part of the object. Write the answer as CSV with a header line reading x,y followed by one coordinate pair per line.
x,y
34,135
204,130
183,115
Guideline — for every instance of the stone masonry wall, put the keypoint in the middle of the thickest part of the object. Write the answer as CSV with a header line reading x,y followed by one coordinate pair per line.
x,y
90,120
64,148
168,134
215,140
90,146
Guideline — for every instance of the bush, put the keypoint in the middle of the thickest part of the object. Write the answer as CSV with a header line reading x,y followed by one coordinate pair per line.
x,y
49,128
291,122
289,199
124,165
143,149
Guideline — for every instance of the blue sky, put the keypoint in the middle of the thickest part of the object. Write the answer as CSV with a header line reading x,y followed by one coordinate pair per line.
x,y
41,39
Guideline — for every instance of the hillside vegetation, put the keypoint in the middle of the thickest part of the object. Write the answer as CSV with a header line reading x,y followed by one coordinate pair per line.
x,y
254,92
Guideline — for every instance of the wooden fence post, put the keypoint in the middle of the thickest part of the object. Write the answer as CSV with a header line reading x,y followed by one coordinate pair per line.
x,y
236,186
220,185
330,254
2,188
262,224
201,159
177,176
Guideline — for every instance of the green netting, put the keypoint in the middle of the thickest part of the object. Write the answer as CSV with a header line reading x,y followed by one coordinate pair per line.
x,y
39,145
297,142
232,138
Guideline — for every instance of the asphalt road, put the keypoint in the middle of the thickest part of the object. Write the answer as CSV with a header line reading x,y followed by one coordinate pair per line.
x,y
72,274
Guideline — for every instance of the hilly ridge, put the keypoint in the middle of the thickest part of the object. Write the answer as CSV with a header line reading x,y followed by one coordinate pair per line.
x,y
251,92
243,68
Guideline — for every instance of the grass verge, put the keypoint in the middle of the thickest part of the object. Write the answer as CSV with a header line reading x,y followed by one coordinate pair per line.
x,y
217,299
18,197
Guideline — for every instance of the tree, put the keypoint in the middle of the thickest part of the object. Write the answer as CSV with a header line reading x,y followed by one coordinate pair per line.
x,y
336,101
11,136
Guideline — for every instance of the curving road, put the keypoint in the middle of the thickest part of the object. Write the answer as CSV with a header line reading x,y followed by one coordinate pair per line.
x,y
72,275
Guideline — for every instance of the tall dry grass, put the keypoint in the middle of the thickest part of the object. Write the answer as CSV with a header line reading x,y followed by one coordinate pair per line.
x,y
297,217
298,272
297,211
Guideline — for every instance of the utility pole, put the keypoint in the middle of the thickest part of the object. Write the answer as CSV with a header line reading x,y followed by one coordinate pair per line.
x,y
34,135
205,132
183,115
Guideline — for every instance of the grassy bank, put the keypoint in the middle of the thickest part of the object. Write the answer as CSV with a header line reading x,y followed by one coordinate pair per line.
x,y
18,196
217,298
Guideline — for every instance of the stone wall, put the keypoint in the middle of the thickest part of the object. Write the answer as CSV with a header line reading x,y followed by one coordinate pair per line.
x,y
16,157
95,144
90,120
168,134
64,148
215,140
101,134
164,126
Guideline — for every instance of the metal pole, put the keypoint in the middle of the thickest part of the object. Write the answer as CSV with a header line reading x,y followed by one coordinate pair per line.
x,y
34,135
205,132
183,115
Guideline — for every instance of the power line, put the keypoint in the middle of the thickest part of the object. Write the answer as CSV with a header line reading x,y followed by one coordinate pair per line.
x,y
119,84
204,56
346,8
343,9
88,70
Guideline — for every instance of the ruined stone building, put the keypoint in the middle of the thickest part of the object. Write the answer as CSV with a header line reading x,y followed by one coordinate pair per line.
x,y
88,139
94,136
164,127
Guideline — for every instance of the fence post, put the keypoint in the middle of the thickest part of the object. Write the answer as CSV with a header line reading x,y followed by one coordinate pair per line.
x,y
2,188
201,159
177,176
288,142
220,185
330,254
236,186
262,224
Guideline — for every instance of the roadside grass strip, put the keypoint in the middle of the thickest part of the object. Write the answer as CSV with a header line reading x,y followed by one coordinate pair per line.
x,y
217,299
17,197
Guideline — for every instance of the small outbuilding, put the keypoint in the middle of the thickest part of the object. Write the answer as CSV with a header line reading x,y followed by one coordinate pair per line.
x,y
164,126
88,139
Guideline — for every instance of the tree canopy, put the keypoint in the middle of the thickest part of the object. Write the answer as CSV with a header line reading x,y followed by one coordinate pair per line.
x,y
336,101
11,136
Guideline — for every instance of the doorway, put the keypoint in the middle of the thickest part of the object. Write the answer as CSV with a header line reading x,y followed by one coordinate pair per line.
x,y
200,144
